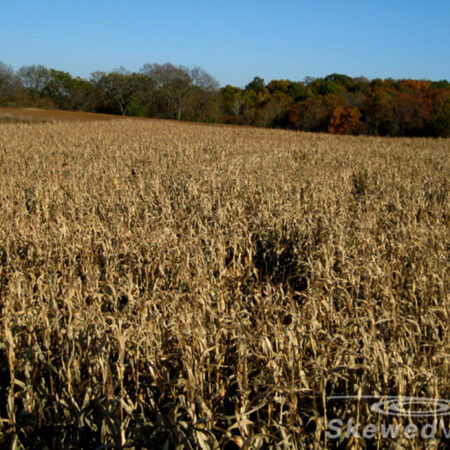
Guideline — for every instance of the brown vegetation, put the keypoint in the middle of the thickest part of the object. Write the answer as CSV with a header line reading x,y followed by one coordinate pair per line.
x,y
48,115
165,284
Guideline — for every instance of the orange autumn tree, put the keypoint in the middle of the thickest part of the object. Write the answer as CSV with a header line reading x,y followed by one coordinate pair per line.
x,y
345,120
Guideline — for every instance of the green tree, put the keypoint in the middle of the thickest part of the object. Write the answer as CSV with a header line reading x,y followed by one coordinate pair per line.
x,y
439,123
59,88
378,111
294,89
9,83
273,110
116,86
256,85
231,100
34,79
179,89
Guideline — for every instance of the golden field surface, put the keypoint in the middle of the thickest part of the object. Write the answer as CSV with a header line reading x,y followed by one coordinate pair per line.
x,y
174,285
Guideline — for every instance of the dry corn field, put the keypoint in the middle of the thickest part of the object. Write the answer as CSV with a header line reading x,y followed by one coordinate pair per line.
x,y
174,285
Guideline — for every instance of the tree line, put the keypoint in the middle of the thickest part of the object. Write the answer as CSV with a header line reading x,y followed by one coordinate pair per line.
x,y
336,103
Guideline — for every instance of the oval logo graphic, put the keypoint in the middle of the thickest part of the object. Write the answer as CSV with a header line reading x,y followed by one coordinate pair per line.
x,y
412,407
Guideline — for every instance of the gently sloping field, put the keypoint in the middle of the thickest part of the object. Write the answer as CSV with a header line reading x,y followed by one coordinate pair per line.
x,y
165,284
8,115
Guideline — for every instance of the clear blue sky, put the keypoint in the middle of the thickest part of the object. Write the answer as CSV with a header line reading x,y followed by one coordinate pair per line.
x,y
232,40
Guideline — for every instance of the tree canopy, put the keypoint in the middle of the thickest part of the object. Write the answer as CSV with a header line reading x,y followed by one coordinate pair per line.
x,y
336,103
